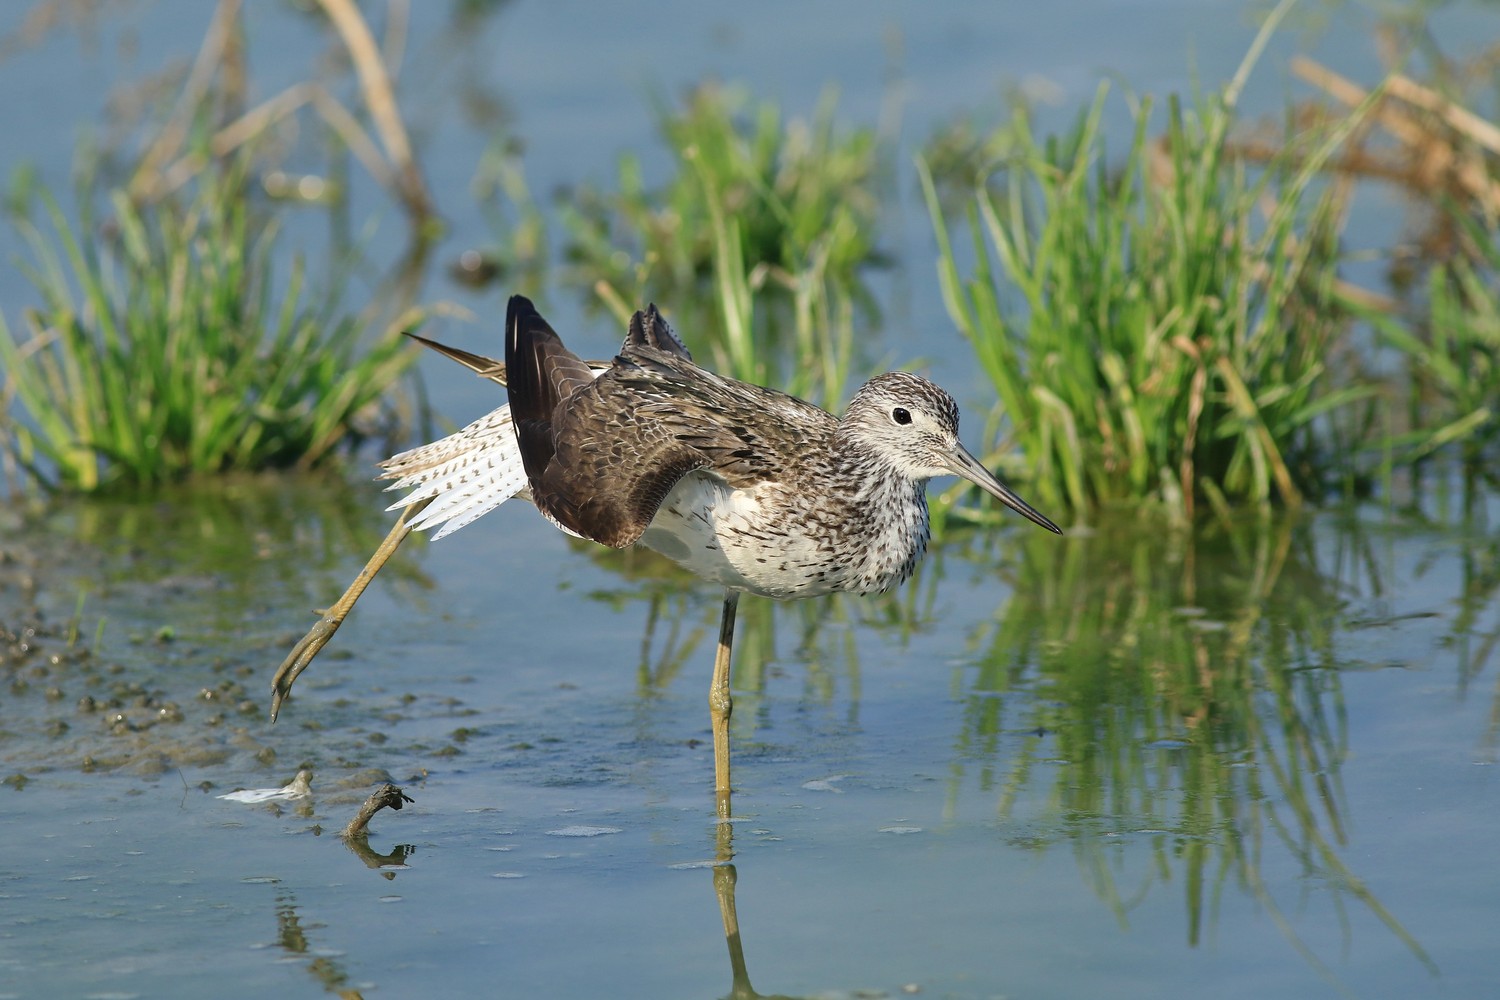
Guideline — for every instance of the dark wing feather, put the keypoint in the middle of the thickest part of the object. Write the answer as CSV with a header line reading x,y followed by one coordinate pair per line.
x,y
477,363
609,488
747,434
542,374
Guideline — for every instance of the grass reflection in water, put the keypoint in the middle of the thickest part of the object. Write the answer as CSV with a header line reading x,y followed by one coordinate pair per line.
x,y
1177,690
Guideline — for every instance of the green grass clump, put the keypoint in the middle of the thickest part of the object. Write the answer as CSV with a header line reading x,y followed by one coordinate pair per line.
x,y
1175,316
164,347
754,243
1157,329
784,187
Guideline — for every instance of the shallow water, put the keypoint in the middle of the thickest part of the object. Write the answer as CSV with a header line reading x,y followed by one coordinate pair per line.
x,y
1259,762
988,785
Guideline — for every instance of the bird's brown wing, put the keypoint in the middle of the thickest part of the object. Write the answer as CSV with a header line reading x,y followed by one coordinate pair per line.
x,y
623,442
602,454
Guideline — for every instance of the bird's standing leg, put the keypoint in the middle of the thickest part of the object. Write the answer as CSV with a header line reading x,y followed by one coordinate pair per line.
x,y
317,637
721,703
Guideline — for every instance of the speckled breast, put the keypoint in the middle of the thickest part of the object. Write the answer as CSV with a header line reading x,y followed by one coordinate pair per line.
x,y
769,541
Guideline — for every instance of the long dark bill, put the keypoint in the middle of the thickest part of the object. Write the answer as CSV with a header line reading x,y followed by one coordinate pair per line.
x,y
961,463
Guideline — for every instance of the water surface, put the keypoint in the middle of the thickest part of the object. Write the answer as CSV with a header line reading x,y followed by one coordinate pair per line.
x,y
991,784
1256,762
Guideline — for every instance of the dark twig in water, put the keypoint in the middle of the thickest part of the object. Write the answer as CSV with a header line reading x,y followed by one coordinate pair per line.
x,y
387,796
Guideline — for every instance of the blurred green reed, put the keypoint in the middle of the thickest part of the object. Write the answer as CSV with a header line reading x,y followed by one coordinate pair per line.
x,y
1452,347
1161,329
756,241
165,345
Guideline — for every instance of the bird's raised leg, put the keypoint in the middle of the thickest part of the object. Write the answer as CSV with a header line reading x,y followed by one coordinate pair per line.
x,y
721,703
317,637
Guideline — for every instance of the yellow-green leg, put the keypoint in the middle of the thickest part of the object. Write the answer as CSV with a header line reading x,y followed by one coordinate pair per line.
x,y
317,637
721,704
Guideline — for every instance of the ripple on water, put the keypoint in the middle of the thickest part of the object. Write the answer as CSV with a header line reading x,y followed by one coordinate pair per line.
x,y
584,831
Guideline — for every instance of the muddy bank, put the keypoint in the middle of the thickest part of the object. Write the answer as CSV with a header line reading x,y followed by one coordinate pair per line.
x,y
137,637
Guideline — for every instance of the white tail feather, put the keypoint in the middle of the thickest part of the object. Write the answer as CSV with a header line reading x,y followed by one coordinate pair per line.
x,y
466,474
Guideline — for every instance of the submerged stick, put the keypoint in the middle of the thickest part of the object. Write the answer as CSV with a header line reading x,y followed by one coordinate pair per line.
x,y
387,796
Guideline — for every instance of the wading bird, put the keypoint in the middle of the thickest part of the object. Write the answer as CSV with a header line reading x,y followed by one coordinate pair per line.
x,y
750,488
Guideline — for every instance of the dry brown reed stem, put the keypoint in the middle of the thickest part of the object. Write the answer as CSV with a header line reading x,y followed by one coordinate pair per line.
x,y
1435,155
165,167
255,121
397,27
1458,118
380,99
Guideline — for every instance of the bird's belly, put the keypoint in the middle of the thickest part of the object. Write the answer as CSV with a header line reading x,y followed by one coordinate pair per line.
x,y
759,542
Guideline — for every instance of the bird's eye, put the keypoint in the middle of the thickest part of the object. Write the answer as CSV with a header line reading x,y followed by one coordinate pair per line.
x,y
900,415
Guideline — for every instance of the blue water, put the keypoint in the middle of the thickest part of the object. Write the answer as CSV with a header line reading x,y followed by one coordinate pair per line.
x,y
520,687
877,845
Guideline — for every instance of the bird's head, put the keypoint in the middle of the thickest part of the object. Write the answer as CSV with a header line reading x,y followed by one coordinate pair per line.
x,y
910,426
